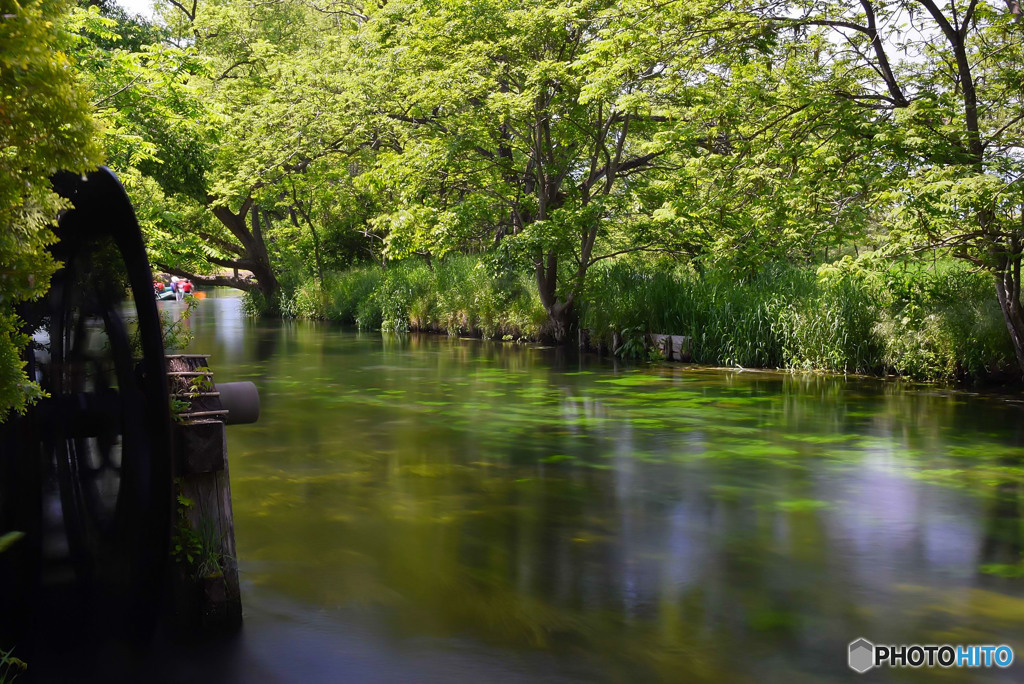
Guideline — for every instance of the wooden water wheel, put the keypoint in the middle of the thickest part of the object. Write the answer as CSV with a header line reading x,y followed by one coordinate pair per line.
x,y
98,449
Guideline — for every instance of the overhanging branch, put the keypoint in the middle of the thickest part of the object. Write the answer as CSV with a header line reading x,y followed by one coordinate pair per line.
x,y
237,282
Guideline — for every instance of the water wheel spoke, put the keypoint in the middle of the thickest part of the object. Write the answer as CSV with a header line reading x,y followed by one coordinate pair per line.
x,y
92,415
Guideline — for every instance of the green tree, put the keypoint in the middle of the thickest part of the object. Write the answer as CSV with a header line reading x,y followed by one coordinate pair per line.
x,y
928,104
939,82
160,132
783,158
46,125
501,132
271,82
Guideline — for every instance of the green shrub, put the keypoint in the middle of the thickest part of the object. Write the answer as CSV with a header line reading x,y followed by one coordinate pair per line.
x,y
254,304
832,327
456,295
347,291
310,300
946,326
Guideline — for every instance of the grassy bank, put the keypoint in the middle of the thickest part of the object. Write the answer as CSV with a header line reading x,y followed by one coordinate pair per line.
x,y
939,322
928,323
456,296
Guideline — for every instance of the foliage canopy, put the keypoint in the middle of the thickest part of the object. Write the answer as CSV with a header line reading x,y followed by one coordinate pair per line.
x,y
271,143
46,125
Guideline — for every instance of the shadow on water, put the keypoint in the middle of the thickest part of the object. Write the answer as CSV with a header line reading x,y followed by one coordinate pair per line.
x,y
425,508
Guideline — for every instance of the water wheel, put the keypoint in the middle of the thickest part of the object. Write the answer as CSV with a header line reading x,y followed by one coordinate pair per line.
x,y
94,458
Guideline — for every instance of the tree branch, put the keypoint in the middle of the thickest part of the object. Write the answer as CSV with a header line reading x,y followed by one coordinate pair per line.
x,y
191,15
629,165
871,31
244,264
237,64
238,283
941,20
883,59
117,92
421,121
1011,122
642,248
968,16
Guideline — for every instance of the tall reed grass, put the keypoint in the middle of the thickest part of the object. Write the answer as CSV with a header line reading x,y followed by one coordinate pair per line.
x,y
456,295
784,318
939,323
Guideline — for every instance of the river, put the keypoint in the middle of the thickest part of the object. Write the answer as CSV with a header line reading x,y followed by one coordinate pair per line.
x,y
420,508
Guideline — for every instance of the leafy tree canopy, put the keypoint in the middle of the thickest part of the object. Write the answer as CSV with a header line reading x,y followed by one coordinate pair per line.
x,y
46,125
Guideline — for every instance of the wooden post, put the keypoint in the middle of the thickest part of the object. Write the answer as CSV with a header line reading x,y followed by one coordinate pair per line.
x,y
683,346
663,343
206,591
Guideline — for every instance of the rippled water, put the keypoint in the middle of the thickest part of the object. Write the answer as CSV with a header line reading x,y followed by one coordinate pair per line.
x,y
432,509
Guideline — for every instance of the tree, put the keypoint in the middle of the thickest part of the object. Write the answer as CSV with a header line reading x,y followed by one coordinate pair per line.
x,y
501,132
45,126
160,134
225,131
279,115
933,93
766,167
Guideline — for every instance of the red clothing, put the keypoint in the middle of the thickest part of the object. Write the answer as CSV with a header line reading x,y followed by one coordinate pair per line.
x,y
188,288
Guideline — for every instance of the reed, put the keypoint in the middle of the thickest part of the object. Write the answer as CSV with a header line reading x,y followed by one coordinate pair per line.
x,y
934,323
938,323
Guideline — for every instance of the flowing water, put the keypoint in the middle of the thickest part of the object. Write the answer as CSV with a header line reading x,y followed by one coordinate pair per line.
x,y
433,509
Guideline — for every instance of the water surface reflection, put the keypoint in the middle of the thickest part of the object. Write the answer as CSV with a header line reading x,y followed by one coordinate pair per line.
x,y
443,509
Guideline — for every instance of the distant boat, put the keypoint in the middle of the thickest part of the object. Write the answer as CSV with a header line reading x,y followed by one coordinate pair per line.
x,y
167,295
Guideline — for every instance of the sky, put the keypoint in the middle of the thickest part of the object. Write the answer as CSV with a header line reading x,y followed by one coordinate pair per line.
x,y
143,7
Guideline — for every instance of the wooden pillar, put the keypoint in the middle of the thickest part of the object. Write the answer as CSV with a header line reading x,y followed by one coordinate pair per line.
x,y
206,592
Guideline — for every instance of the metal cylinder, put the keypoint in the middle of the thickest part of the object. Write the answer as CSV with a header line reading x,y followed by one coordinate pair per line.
x,y
241,400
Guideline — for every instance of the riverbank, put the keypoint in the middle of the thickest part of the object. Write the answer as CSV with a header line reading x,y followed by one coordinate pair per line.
x,y
939,323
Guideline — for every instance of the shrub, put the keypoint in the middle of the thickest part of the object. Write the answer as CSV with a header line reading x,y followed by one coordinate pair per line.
x,y
946,326
346,292
256,305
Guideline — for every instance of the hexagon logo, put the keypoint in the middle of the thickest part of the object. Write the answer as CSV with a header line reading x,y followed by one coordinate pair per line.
x,y
862,655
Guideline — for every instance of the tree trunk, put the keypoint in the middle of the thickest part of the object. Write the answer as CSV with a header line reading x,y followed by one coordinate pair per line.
x,y
1008,292
265,275
562,318
252,247
562,322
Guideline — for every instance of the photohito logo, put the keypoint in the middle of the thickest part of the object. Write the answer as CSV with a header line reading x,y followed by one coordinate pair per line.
x,y
863,655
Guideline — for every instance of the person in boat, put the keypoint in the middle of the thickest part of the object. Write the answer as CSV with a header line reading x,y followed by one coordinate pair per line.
x,y
187,288
162,288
